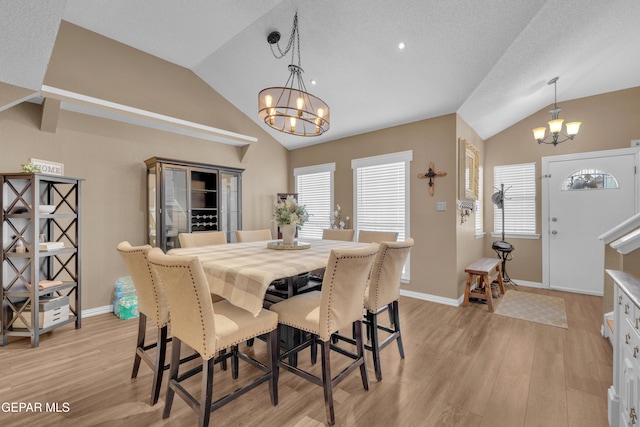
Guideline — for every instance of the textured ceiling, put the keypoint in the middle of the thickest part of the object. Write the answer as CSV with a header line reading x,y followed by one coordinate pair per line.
x,y
489,61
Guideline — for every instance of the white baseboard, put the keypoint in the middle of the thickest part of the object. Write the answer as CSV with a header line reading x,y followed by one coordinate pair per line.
x,y
575,291
456,302
432,298
527,283
411,294
97,310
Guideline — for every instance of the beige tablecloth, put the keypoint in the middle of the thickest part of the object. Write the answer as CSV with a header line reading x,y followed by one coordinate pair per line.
x,y
241,272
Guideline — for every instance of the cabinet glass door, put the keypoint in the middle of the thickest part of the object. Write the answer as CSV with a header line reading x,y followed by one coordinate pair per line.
x,y
176,214
152,208
230,204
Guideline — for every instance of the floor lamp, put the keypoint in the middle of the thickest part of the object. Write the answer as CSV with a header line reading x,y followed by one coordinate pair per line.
x,y
502,247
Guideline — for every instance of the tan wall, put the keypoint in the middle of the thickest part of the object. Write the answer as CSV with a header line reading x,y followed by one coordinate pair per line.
x,y
469,248
10,94
433,258
90,64
609,121
110,157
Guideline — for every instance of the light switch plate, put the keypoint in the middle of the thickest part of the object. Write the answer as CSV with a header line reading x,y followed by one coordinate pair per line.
x,y
441,206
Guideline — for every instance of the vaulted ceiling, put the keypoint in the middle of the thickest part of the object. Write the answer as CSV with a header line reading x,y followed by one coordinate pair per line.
x,y
488,61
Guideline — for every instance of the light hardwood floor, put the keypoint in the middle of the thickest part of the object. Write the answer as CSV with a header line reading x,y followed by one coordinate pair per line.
x,y
463,367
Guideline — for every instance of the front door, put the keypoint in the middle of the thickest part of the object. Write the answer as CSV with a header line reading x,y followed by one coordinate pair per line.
x,y
583,195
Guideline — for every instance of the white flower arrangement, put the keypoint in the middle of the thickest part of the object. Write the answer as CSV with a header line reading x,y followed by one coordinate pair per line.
x,y
288,211
338,221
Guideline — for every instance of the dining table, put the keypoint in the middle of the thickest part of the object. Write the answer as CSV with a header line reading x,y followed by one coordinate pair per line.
x,y
242,272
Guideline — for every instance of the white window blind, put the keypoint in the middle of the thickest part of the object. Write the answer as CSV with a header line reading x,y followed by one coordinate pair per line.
x,y
479,208
519,198
314,185
382,194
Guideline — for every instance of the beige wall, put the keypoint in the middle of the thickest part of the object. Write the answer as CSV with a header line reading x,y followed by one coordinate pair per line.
x,y
434,263
10,95
90,64
468,247
609,121
110,155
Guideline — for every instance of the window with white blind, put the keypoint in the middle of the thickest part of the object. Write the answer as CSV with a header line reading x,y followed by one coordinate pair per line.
x,y
519,199
314,185
479,208
381,194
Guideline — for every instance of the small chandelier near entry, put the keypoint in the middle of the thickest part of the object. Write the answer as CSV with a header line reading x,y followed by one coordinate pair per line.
x,y
555,124
291,109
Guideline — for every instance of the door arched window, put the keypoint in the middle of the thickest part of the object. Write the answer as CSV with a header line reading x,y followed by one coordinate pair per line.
x,y
589,179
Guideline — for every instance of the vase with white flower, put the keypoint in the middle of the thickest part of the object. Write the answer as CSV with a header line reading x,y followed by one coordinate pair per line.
x,y
290,217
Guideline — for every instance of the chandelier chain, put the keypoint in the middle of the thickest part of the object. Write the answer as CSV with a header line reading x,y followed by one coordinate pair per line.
x,y
294,40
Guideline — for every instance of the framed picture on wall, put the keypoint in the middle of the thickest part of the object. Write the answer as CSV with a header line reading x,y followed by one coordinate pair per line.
x,y
468,168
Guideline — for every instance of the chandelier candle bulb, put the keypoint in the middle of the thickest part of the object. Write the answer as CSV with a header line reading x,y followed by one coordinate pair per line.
x,y
299,106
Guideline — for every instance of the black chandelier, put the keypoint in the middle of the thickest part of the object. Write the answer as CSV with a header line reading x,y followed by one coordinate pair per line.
x,y
291,109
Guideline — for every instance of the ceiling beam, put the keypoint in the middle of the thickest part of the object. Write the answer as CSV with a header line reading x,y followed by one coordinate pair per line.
x,y
50,114
148,117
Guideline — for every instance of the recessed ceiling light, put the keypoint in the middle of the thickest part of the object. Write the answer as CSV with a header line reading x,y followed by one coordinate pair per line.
x,y
402,45
314,81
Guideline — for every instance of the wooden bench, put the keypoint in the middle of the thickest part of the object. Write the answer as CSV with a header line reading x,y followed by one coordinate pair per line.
x,y
486,270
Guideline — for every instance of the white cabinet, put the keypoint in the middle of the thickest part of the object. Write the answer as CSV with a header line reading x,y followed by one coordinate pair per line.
x,y
624,394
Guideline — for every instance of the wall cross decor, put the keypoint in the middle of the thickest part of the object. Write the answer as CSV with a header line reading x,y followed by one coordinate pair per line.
x,y
431,173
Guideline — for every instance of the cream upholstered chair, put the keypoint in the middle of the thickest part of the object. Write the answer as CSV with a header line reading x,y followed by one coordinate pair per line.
x,y
152,303
337,305
337,234
205,238
366,236
330,234
253,235
209,328
383,291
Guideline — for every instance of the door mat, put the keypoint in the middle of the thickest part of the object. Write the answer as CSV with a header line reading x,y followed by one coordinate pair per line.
x,y
534,308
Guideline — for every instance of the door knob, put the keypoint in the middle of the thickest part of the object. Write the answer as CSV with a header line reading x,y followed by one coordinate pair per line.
x,y
554,231
554,219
